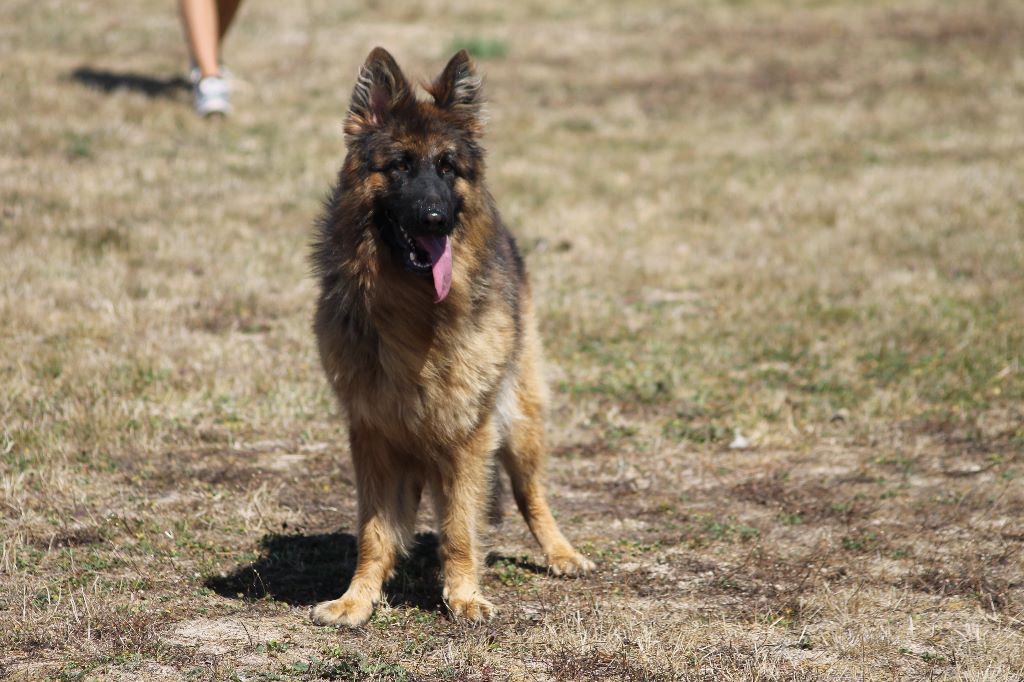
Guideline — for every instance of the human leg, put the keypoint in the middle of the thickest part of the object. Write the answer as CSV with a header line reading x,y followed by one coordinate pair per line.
x,y
201,30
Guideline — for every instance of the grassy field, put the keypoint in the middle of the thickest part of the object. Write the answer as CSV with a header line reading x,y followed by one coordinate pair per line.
x,y
799,223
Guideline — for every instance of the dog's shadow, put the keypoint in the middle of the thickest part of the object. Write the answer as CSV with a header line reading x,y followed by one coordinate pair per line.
x,y
302,570
111,81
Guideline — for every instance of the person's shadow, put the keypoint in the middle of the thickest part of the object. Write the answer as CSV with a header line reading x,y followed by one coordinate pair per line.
x,y
110,81
302,570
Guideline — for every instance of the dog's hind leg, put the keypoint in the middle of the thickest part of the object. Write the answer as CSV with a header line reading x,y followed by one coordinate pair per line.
x,y
523,454
410,491
388,498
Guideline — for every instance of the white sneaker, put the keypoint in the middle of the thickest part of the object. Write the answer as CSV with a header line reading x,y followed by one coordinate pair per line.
x,y
212,96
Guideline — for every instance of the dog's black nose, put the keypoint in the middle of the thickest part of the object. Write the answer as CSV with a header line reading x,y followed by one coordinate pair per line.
x,y
433,218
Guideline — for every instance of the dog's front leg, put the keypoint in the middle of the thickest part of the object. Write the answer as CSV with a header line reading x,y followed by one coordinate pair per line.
x,y
460,493
384,521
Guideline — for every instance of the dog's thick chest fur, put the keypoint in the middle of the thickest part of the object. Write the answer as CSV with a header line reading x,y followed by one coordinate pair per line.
x,y
425,381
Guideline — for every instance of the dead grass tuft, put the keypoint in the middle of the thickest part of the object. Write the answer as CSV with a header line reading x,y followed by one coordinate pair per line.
x,y
805,501
994,581
567,664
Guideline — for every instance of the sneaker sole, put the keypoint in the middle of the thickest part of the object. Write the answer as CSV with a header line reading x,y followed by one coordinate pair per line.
x,y
221,109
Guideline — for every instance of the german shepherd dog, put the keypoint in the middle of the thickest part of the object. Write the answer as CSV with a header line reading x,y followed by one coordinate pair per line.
x,y
427,335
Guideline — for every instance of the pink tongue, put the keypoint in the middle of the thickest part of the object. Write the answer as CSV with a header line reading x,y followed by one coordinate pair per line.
x,y
440,250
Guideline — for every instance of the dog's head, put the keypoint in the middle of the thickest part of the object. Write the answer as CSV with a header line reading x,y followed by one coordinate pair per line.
x,y
417,160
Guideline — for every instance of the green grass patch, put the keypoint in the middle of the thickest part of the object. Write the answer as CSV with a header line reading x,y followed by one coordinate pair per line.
x,y
479,46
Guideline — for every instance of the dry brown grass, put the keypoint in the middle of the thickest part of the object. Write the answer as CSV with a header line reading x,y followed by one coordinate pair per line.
x,y
800,220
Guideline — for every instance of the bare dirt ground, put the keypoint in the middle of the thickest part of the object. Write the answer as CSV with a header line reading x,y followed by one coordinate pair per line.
x,y
799,222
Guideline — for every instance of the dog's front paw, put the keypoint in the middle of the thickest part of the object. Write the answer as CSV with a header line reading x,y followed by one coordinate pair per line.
x,y
472,608
346,611
570,564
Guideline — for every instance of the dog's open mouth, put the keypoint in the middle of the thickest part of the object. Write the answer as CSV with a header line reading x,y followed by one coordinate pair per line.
x,y
416,256
429,253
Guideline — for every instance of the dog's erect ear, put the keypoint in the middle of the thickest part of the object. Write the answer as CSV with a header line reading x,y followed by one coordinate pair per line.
x,y
380,89
458,89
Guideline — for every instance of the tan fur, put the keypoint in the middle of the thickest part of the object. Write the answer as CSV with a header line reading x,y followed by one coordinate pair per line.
x,y
421,383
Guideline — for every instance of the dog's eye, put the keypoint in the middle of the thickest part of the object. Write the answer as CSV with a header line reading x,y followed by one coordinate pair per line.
x,y
445,167
400,166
